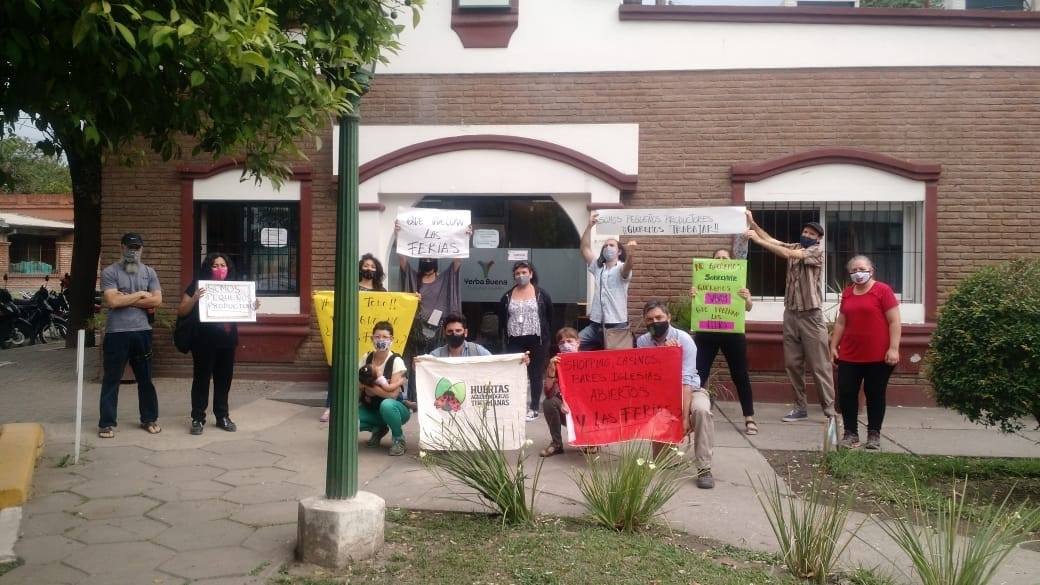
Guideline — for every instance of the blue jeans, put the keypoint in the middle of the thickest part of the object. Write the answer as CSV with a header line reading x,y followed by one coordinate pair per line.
x,y
121,347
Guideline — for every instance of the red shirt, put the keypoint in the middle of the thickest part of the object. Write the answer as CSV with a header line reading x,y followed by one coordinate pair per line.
x,y
865,339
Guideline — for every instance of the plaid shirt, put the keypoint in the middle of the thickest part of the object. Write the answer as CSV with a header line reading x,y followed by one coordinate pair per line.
x,y
804,290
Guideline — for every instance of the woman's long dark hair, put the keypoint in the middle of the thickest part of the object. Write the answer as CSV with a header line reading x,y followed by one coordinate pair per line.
x,y
206,270
377,282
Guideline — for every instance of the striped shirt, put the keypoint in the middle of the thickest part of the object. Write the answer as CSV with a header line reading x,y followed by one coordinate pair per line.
x,y
804,287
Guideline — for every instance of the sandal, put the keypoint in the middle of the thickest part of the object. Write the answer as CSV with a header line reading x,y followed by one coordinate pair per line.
x,y
750,428
153,427
106,433
552,449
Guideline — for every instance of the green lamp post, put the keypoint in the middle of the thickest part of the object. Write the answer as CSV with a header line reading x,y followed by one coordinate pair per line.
x,y
342,465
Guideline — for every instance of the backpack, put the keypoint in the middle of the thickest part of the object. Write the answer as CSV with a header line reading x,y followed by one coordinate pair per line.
x,y
184,331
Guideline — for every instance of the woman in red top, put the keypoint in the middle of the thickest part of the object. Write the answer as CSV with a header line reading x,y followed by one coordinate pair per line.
x,y
865,345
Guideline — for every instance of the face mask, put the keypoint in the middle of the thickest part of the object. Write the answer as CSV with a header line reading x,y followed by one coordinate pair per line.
x,y
609,254
522,280
659,329
568,346
383,344
427,266
220,272
132,256
807,242
456,340
860,277
368,274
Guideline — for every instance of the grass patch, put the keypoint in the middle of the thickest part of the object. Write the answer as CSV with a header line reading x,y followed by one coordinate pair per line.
x,y
886,480
10,566
450,548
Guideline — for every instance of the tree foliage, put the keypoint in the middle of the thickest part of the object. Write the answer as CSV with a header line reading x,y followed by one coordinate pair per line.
x,y
24,169
985,354
242,78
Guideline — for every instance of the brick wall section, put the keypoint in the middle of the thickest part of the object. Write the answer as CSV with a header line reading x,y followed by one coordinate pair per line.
x,y
982,125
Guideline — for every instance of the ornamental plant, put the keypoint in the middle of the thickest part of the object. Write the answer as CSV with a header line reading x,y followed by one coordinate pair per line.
x,y
471,453
984,360
627,493
941,556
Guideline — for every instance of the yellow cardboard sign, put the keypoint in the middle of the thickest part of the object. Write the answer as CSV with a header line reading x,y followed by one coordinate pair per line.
x,y
397,308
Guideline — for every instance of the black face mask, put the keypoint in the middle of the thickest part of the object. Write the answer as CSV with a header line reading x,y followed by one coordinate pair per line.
x,y
368,274
659,329
456,340
427,266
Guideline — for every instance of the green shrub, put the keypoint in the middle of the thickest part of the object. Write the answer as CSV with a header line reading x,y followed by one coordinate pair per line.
x,y
985,356
627,494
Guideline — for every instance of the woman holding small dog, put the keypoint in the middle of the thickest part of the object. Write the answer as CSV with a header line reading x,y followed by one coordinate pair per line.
x,y
382,378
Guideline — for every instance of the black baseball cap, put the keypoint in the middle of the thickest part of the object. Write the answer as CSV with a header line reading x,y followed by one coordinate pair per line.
x,y
814,226
132,239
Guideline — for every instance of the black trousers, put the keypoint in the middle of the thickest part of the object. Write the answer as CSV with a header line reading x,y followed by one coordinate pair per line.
x,y
734,348
535,369
874,379
120,348
218,364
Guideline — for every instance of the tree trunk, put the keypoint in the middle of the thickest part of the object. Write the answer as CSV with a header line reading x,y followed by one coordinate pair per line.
x,y
85,168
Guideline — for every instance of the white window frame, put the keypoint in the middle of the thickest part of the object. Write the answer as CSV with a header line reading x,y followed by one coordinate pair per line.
x,y
229,186
844,183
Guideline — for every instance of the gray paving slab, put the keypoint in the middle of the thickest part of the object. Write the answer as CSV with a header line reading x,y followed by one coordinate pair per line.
x,y
971,442
133,578
113,488
46,549
255,475
110,530
240,446
117,469
203,535
227,561
268,514
105,508
105,452
194,511
181,458
51,523
188,490
190,473
269,492
50,573
278,540
55,502
121,557
46,481
10,525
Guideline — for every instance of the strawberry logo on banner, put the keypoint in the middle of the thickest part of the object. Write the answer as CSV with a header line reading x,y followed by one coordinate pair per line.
x,y
457,391
621,395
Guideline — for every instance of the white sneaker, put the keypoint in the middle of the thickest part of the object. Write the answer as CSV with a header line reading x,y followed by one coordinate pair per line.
x,y
531,415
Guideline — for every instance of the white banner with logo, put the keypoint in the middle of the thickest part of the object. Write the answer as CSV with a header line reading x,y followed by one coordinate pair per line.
x,y
686,221
433,233
463,394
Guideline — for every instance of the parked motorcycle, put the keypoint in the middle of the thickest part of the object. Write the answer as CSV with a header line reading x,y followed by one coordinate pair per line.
x,y
15,329
43,311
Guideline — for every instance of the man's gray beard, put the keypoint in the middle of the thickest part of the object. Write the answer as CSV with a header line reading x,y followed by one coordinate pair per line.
x,y
131,267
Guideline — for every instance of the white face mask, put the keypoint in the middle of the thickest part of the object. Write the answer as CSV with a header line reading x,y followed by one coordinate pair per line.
x,y
860,276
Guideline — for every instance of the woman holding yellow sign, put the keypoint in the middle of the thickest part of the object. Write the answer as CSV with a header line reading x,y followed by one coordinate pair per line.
x,y
734,348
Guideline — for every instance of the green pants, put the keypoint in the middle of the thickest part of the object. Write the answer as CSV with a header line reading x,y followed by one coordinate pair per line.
x,y
391,413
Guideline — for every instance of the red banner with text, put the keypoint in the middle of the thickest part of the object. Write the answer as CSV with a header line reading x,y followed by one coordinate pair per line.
x,y
621,395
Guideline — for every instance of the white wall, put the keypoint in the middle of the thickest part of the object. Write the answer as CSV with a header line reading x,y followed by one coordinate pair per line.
x,y
587,35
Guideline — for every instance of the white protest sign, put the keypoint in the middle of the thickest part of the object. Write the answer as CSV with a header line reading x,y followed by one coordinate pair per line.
x,y
466,395
687,221
433,233
227,301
